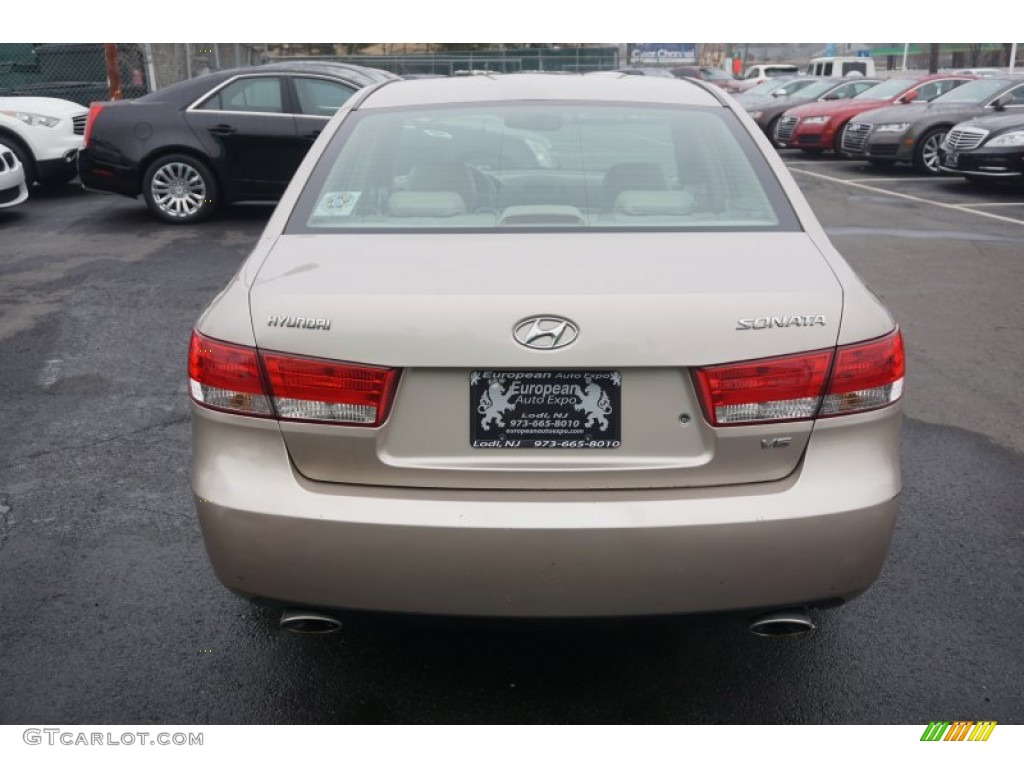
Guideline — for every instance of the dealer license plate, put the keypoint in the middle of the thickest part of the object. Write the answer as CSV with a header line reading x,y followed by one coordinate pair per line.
x,y
545,409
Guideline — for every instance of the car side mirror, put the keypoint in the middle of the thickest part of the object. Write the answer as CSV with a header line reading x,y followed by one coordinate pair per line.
x,y
999,105
907,97
779,92
831,97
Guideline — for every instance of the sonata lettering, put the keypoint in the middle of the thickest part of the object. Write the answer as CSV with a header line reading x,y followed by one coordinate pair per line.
x,y
779,321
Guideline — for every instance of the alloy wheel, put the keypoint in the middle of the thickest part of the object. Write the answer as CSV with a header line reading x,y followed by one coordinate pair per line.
x,y
930,151
178,190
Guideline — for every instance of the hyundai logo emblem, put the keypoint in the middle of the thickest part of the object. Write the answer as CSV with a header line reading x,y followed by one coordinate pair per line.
x,y
545,332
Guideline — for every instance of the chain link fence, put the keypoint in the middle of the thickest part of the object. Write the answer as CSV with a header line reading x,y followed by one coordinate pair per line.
x,y
562,59
78,71
174,62
73,71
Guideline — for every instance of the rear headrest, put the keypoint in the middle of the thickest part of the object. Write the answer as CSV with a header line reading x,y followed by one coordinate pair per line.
x,y
444,176
436,204
659,203
622,176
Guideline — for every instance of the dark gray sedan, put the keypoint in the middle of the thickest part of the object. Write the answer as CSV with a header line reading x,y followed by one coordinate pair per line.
x,y
767,110
913,133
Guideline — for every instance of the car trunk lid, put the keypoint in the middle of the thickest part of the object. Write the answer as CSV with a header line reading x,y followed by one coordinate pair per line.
x,y
649,307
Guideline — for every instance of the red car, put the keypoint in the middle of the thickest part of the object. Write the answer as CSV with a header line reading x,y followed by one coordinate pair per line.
x,y
818,126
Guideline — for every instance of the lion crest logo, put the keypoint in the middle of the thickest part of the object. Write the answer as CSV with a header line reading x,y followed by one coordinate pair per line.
x,y
494,403
594,403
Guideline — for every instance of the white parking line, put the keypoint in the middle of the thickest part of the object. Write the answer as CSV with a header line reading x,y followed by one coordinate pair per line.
x,y
905,196
973,205
909,178
884,178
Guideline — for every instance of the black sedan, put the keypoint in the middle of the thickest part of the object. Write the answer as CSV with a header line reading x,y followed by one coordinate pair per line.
x,y
221,138
986,150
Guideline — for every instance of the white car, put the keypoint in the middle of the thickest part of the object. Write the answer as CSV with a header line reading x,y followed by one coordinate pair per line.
x,y
45,134
13,189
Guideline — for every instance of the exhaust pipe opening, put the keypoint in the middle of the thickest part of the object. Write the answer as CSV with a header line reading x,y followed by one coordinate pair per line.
x,y
788,623
301,622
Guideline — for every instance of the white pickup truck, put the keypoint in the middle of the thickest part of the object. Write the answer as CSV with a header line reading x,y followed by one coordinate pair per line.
x,y
758,73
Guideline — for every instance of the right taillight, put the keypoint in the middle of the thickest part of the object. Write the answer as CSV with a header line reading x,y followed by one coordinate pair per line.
x,y
849,379
865,376
239,379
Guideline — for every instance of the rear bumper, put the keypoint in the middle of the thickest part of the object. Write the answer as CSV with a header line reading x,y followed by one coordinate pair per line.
x,y
820,535
105,176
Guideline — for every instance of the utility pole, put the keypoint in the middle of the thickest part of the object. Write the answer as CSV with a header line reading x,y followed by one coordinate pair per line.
x,y
933,58
113,73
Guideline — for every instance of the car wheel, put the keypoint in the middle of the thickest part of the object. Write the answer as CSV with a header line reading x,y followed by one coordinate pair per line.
x,y
926,154
770,130
837,142
180,189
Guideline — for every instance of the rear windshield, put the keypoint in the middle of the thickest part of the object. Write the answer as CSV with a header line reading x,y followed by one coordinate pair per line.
x,y
775,71
787,84
887,89
542,165
817,89
975,91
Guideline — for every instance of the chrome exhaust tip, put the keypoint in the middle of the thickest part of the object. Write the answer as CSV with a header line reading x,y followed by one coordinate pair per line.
x,y
303,622
789,623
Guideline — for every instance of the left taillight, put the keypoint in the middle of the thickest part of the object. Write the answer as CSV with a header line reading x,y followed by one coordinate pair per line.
x,y
94,111
239,379
312,389
226,377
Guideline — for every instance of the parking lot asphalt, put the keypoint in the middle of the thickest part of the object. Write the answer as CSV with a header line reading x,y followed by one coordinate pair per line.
x,y
113,615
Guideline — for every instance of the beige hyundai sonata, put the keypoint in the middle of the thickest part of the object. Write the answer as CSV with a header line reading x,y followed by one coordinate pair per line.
x,y
535,346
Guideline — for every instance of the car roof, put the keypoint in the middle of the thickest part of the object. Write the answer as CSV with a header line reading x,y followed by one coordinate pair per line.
x,y
929,78
357,75
622,88
327,67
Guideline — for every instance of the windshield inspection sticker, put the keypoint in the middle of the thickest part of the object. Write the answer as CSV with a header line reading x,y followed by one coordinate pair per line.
x,y
337,204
